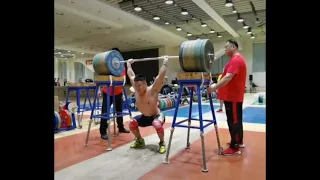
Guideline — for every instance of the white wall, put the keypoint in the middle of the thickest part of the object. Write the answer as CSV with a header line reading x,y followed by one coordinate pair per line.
x,y
247,52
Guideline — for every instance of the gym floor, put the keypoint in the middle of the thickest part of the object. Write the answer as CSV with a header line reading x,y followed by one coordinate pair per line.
x,y
73,161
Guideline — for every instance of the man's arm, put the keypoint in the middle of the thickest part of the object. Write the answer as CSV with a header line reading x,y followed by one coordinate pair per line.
x,y
231,71
130,72
158,81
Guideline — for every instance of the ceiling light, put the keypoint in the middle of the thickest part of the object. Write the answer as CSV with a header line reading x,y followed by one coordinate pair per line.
x,y
179,29
212,31
249,31
245,26
59,52
184,12
68,51
66,26
156,18
169,2
166,23
203,24
189,34
252,36
219,36
137,8
234,10
240,19
82,53
228,3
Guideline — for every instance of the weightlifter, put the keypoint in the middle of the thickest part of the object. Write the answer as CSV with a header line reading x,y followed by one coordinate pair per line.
x,y
146,101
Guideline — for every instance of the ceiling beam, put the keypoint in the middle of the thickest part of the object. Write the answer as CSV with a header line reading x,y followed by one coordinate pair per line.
x,y
215,16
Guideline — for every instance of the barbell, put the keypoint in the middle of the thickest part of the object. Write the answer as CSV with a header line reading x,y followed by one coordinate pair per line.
x,y
194,56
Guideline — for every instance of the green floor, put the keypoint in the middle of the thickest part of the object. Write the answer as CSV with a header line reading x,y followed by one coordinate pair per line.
x,y
257,103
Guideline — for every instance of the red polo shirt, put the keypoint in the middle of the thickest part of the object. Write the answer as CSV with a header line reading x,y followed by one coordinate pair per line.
x,y
118,89
235,89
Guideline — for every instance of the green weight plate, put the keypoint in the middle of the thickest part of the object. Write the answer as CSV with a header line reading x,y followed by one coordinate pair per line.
x,y
161,104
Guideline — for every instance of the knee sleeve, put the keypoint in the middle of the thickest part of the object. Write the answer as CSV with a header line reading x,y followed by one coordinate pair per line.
x,y
158,126
133,125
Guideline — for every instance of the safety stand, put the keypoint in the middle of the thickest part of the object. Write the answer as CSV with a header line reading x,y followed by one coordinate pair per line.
x,y
78,87
110,82
73,126
197,79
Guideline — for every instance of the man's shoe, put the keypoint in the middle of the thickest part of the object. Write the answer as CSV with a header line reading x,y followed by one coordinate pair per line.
x,y
162,147
104,136
139,143
240,145
123,130
231,152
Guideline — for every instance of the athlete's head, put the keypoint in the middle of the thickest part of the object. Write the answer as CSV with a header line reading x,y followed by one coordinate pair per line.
x,y
140,84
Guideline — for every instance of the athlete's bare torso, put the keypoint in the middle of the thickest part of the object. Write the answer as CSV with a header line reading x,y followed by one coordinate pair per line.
x,y
148,103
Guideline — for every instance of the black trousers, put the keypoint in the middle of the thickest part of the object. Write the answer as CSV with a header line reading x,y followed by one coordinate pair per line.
x,y
118,106
234,119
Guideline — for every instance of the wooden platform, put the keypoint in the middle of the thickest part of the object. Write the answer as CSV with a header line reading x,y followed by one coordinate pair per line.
x,y
81,84
193,76
108,78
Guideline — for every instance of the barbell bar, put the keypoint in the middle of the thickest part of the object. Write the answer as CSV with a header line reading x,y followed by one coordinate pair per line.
x,y
150,59
156,58
194,56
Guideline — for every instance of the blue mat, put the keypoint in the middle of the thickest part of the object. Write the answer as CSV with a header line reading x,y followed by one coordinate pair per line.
x,y
254,115
184,111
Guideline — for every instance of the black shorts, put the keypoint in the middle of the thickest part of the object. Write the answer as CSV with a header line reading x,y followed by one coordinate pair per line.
x,y
145,121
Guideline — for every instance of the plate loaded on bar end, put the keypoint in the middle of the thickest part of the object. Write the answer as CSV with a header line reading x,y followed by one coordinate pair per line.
x,y
57,120
66,119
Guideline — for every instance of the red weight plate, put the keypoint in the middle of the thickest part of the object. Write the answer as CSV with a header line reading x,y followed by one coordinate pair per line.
x,y
65,117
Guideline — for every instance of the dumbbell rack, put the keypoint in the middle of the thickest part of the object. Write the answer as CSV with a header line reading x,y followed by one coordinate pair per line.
x,y
110,82
78,87
197,79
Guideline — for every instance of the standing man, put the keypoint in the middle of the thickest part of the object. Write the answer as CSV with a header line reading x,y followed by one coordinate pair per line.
x,y
118,92
231,91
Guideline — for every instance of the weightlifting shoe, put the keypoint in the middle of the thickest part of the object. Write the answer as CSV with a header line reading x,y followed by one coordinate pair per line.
x,y
139,143
104,136
162,147
123,130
